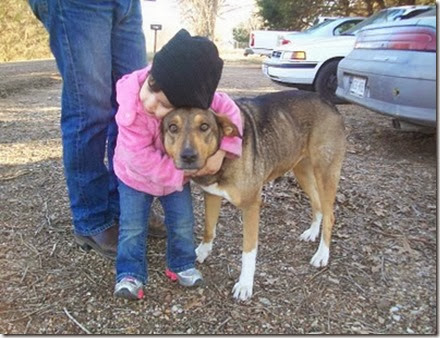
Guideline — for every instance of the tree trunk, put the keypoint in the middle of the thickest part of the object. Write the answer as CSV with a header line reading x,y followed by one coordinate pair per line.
x,y
201,15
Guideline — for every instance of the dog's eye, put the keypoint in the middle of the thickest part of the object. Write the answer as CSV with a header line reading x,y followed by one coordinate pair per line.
x,y
172,128
204,127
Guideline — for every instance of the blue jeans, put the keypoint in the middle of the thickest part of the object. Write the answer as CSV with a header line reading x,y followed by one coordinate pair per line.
x,y
94,44
133,231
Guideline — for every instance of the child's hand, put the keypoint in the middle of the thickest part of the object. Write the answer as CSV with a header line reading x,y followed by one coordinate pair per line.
x,y
189,173
213,164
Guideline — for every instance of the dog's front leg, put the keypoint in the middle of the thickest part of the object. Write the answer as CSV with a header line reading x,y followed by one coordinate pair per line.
x,y
251,216
212,211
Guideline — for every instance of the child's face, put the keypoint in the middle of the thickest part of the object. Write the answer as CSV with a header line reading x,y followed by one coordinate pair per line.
x,y
154,102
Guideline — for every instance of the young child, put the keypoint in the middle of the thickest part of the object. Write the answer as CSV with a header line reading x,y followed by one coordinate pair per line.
x,y
184,73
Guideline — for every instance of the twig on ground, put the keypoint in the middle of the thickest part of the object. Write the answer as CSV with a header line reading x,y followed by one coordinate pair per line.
x,y
76,322
12,176
53,249
24,274
317,274
46,214
221,324
27,326
411,238
350,278
31,314
383,276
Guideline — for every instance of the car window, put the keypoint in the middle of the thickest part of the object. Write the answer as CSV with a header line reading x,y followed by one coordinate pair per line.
x,y
345,26
379,17
385,15
316,27
430,12
415,13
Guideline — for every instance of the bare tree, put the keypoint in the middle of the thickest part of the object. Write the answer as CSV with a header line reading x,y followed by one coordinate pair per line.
x,y
201,15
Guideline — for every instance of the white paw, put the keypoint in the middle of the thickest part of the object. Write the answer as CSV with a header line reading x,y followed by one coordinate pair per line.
x,y
242,291
310,234
203,251
320,258
243,288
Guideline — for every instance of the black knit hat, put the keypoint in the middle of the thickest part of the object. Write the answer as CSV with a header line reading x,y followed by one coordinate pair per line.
x,y
188,70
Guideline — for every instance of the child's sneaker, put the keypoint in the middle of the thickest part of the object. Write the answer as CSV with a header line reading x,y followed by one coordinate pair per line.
x,y
190,277
129,288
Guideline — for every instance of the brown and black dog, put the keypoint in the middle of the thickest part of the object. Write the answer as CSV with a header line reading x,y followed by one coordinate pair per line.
x,y
289,130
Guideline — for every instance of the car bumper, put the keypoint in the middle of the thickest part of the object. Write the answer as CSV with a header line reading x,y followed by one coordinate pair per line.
x,y
260,51
290,73
387,94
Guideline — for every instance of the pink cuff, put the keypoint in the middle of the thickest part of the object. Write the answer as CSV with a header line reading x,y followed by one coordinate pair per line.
x,y
232,145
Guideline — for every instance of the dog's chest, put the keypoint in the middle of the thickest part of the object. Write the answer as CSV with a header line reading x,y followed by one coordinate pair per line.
x,y
215,189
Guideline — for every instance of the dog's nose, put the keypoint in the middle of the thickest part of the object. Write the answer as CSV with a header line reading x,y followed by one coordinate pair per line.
x,y
188,156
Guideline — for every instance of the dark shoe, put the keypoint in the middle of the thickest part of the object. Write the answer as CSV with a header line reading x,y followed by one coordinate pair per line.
x,y
104,243
157,226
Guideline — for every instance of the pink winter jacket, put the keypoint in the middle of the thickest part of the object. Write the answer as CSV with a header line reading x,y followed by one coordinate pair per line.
x,y
140,160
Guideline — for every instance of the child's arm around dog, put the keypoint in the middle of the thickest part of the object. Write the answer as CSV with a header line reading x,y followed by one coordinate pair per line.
x,y
140,159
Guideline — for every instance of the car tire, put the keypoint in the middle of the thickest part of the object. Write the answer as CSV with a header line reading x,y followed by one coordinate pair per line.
x,y
326,82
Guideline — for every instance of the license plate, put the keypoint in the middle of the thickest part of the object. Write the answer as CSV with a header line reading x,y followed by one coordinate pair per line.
x,y
357,86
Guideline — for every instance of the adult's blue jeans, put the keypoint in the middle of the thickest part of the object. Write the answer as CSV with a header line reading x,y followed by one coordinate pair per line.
x,y
131,258
94,44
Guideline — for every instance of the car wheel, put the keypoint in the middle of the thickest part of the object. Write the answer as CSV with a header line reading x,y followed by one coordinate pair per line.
x,y
327,82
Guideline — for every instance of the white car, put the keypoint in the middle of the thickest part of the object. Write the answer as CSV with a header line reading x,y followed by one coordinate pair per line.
x,y
264,41
329,27
312,64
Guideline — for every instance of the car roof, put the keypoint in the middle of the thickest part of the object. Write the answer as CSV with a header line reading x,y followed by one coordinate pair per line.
x,y
419,21
407,10
330,22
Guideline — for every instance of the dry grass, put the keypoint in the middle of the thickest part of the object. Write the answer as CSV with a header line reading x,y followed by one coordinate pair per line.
x,y
23,36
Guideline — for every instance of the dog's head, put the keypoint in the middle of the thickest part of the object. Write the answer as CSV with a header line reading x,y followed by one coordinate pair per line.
x,y
191,135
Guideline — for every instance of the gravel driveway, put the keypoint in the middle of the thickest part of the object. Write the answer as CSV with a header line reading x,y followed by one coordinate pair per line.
x,y
381,278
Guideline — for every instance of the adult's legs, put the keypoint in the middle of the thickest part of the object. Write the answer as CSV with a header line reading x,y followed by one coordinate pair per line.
x,y
81,41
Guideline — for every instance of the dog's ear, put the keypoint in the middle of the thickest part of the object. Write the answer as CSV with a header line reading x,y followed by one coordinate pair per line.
x,y
228,128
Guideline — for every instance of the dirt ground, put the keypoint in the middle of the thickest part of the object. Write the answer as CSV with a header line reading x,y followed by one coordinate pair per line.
x,y
381,278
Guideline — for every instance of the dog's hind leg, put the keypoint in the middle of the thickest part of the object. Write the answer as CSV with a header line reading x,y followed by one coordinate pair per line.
x,y
327,179
251,217
212,211
304,174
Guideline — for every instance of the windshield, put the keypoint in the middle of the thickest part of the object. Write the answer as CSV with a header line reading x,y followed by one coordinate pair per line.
x,y
311,30
379,17
316,27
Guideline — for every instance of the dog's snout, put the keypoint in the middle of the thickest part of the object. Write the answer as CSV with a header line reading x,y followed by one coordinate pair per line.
x,y
188,155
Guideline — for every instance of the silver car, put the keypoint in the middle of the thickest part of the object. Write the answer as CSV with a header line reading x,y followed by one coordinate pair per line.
x,y
392,70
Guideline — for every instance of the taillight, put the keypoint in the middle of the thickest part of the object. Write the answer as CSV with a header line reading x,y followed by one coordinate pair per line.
x,y
252,40
402,38
284,41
